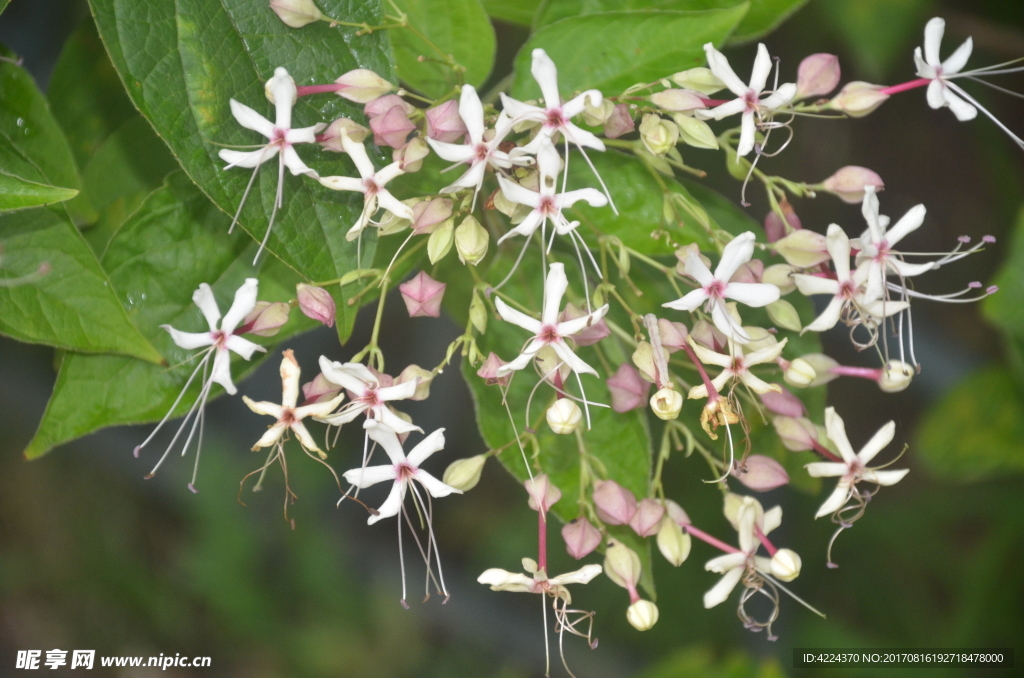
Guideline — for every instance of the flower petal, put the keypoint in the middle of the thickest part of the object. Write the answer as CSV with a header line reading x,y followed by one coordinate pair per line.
x,y
516,193
933,31
270,409
189,340
878,442
295,165
221,371
719,593
780,97
958,59
357,152
934,94
371,475
961,109
387,439
729,561
250,119
736,253
247,159
811,284
826,469
511,315
554,289
452,152
752,294
426,447
762,69
338,183
581,576
243,347
245,301
747,135
690,302
434,486
723,71
391,505
271,436
592,196
546,74
836,430
907,224
472,113
836,500
305,439
582,137
729,327
203,298
571,359
884,477
829,317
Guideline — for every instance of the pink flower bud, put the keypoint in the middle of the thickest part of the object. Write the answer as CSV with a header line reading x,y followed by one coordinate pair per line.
x,y
296,13
677,513
627,389
784,403
817,76
410,157
796,433
422,295
761,473
489,370
673,335
775,227
858,99
429,214
620,122
319,390
331,138
615,504
362,85
708,336
266,319
444,123
316,303
543,494
588,335
849,182
581,538
647,519
676,100
382,105
749,272
391,128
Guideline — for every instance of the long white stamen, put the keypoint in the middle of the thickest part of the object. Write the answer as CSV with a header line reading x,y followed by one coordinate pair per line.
x,y
959,90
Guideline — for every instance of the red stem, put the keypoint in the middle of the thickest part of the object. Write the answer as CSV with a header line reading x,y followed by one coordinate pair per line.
x,y
542,542
872,373
764,541
705,537
712,391
913,84
825,452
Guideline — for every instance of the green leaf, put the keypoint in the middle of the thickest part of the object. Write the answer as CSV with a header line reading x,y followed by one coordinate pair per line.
x,y
66,299
32,146
3,4
175,241
182,62
1004,309
764,17
17,193
976,431
612,50
513,11
459,28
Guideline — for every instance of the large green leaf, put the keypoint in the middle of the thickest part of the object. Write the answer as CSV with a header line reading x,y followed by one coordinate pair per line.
x,y
763,16
182,62
175,241
456,28
612,50
17,193
513,11
977,430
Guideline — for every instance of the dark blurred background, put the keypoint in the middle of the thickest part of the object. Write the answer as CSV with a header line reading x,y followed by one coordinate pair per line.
x,y
94,557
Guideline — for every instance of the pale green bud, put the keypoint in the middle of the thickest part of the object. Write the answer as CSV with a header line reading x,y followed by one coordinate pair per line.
x,y
694,132
478,314
471,241
440,242
780,275
699,79
667,403
659,135
564,416
800,374
643,614
673,543
464,474
785,565
783,314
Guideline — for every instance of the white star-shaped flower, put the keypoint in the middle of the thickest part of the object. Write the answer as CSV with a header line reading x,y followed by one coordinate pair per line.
x,y
401,470
287,414
367,395
876,243
854,467
538,581
748,102
715,289
732,566
940,93
371,184
548,331
736,365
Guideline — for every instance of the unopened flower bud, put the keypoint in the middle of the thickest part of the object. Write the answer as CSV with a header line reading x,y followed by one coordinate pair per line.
x,y
362,86
439,244
785,565
783,314
266,319
761,473
759,338
643,614
599,114
708,336
391,128
422,295
750,272
796,433
581,538
695,132
478,313
780,275
848,183
700,79
896,376
331,138
316,303
428,215
622,564
676,513
775,227
802,248
471,241
382,105
673,542
543,494
615,504
667,403
800,373
817,76
489,370
647,518
296,13
858,99
564,416
444,122
319,390
628,390
464,474
551,366
643,358
588,335
822,366
619,122
423,378
784,403
410,157
673,335
676,100
659,135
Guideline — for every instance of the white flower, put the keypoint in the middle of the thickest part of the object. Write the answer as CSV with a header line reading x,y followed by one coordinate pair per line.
x,y
547,203
538,581
548,331
876,244
732,566
367,395
749,102
281,90
736,365
287,414
715,289
401,470
371,184
854,467
940,93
